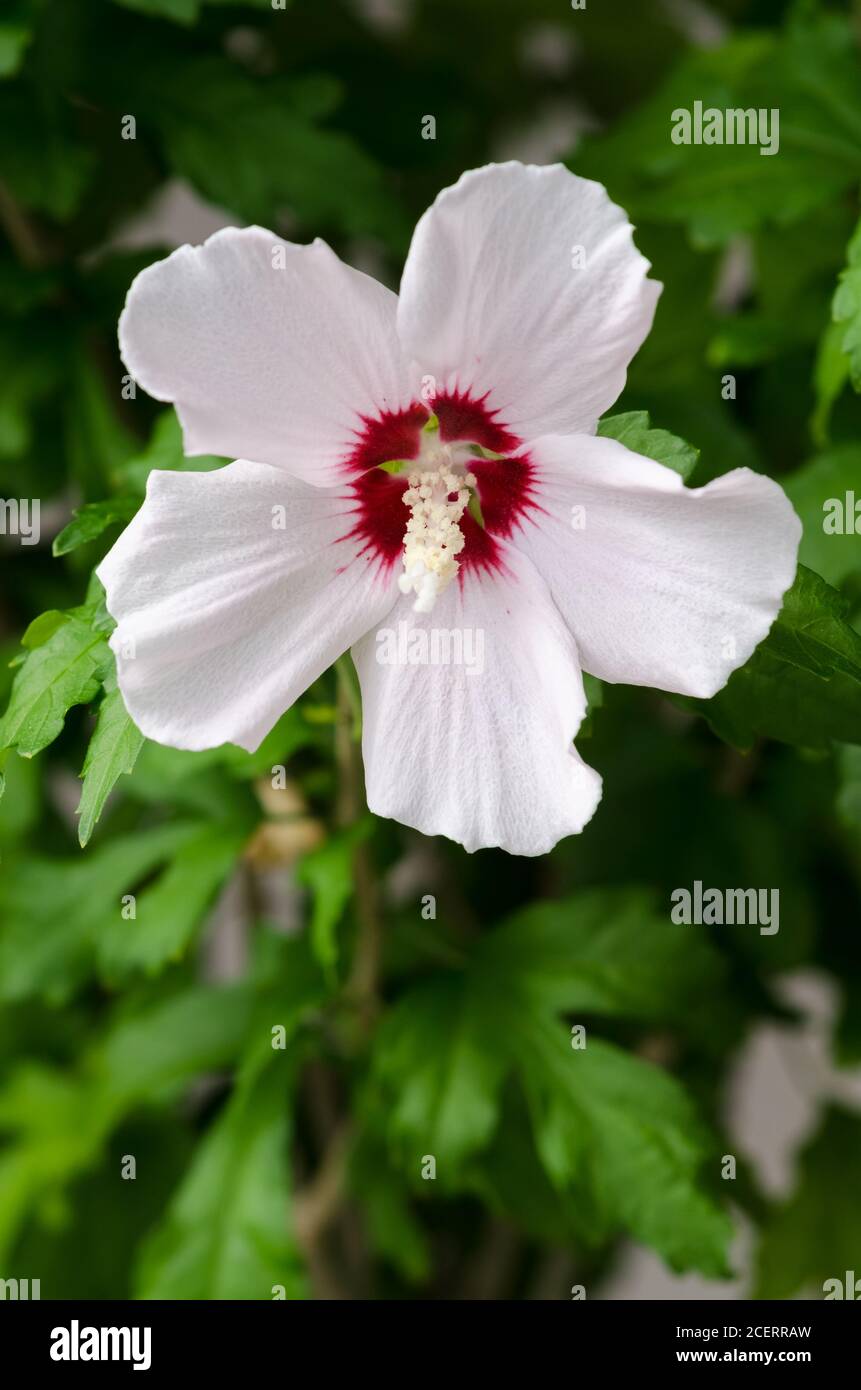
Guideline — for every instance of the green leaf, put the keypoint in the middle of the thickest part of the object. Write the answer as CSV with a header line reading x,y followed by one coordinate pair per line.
x,y
31,368
750,339
618,1139
604,951
171,1042
803,683
440,1054
97,440
227,1235
53,911
212,783
328,872
14,39
57,1123
511,1179
21,801
594,692
164,451
387,1208
816,1235
52,1133
154,1052
633,430
172,778
88,522
169,910
830,374
44,167
809,73
254,148
847,308
625,1133
43,627
112,752
826,479
64,668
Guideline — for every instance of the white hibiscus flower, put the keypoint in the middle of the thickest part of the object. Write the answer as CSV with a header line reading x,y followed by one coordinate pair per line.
x,y
235,589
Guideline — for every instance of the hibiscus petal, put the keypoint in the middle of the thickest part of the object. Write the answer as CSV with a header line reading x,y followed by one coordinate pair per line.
x,y
480,752
494,308
662,585
270,351
223,617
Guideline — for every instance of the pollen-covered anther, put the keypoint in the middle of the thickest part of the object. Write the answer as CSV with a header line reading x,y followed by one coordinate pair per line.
x,y
433,539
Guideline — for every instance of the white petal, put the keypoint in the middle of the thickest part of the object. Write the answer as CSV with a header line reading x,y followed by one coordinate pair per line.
x,y
270,351
480,752
491,302
222,618
662,585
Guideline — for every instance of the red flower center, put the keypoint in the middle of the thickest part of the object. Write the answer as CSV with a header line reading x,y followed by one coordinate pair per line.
x,y
505,486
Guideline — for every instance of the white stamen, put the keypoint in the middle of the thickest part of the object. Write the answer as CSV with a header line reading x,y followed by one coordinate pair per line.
x,y
437,498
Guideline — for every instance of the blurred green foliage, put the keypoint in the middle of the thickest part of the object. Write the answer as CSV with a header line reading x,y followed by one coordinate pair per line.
x,y
282,1091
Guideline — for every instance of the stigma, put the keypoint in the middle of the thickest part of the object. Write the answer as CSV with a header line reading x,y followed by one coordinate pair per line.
x,y
437,498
